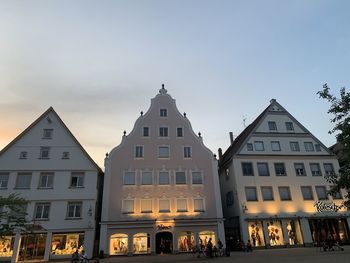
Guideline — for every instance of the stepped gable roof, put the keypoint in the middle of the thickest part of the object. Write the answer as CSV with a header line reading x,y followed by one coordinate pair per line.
x,y
50,110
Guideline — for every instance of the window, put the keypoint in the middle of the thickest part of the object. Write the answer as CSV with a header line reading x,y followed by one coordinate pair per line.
x,y
180,178
23,180
197,178
146,206
164,206
139,151
187,152
267,193
163,131
47,133
46,180
181,205
44,153
250,193
317,147
163,152
42,211
163,113
198,205
259,146
328,168
249,147
147,178
77,179
263,169
4,178
164,178
280,169
294,146
284,192
247,169
321,192
128,206
23,155
145,132
315,169
74,209
179,132
129,178
229,198
306,191
65,155
289,126
309,147
272,126
275,146
299,169
337,195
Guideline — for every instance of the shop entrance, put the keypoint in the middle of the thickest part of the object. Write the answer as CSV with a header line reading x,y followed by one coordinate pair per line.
x,y
164,243
32,247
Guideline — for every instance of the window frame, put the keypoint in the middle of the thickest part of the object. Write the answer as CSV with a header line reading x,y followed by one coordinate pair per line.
x,y
296,148
80,180
177,205
243,170
124,206
181,134
187,151
262,188
19,174
47,134
250,147
43,151
163,112
164,210
159,176
280,188
75,204
146,211
275,143
43,205
309,147
48,175
297,169
287,123
143,174
23,155
266,164
193,179
145,128
194,205
261,143
163,132
272,126
139,151
312,198
247,188
328,173
318,187
163,147
284,168
319,169
5,178
176,178
125,175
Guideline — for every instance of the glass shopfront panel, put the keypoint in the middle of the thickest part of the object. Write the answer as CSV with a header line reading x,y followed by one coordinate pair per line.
x,y
336,228
6,246
67,244
204,237
275,232
32,247
141,243
186,241
118,244
256,233
294,232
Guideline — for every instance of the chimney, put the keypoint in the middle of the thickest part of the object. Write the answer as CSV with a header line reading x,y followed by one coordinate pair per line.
x,y
231,137
220,153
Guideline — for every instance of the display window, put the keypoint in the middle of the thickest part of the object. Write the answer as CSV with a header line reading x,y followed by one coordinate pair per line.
x,y
67,244
141,243
32,247
275,232
205,237
6,246
336,228
294,232
256,233
118,244
186,242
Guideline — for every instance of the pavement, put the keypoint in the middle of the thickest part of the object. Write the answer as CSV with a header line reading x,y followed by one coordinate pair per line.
x,y
281,255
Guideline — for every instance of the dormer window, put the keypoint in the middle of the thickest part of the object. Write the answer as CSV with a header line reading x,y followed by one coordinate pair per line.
x,y
272,126
47,134
163,113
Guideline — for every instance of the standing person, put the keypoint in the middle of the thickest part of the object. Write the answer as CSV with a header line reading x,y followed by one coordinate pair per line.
x,y
75,257
220,246
83,257
249,246
210,248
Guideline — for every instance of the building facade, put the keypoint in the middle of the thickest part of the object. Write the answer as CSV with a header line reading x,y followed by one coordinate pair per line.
x,y
161,188
48,167
273,185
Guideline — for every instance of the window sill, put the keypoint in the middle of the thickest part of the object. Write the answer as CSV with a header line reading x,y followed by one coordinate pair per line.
x,y
76,187
73,218
21,188
44,188
164,211
41,219
127,213
146,212
44,158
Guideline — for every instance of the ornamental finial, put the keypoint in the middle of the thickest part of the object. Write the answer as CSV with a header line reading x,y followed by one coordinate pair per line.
x,y
163,90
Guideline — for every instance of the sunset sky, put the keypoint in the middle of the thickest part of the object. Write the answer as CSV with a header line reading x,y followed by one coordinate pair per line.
x,y
98,63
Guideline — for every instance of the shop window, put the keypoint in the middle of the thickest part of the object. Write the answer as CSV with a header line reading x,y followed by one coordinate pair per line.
x,y
164,178
141,242
294,232
118,244
6,246
32,247
66,244
337,228
186,241
204,238
256,233
275,233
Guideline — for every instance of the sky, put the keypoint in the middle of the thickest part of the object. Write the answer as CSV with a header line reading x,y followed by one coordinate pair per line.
x,y
98,63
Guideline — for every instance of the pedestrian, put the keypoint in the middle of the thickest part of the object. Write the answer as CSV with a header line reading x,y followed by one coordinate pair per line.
x,y
83,257
75,257
210,248
220,247
249,246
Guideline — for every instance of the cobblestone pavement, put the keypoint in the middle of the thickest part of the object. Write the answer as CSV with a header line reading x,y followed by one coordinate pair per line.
x,y
290,255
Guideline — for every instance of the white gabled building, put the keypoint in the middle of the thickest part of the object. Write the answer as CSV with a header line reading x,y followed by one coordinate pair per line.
x,y
161,188
48,167
273,185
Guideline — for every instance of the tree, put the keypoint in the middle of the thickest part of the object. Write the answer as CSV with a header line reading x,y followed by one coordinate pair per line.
x,y
340,109
12,215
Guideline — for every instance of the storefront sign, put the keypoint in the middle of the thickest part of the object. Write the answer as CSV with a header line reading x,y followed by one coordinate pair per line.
x,y
163,227
327,207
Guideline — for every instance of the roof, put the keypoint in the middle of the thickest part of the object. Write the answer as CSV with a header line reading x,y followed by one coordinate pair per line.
x,y
50,110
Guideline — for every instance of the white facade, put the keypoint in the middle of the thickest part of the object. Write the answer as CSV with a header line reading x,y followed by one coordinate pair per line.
x,y
48,167
161,188
272,177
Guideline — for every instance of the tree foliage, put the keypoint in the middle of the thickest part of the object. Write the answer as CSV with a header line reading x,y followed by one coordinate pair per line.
x,y
12,215
340,110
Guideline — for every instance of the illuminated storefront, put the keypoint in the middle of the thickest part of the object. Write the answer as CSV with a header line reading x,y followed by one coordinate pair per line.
x,y
119,244
295,236
275,233
67,244
335,228
256,233
32,247
141,243
205,236
186,241
6,246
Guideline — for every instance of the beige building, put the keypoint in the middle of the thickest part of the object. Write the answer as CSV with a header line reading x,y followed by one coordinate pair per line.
x,y
161,188
273,185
